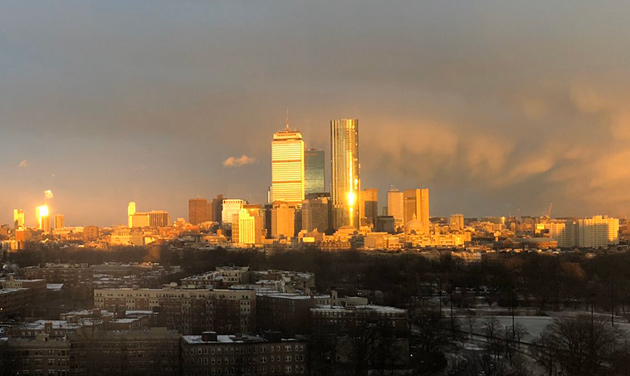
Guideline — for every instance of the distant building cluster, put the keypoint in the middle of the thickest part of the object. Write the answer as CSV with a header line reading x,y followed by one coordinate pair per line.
x,y
303,210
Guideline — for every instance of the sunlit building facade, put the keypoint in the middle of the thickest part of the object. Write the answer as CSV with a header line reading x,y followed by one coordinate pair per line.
x,y
456,222
18,218
598,232
244,228
43,218
395,207
416,206
287,167
282,220
230,206
344,149
131,210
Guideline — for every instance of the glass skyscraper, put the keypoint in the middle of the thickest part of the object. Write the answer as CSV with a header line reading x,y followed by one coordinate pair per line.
x,y
344,158
314,172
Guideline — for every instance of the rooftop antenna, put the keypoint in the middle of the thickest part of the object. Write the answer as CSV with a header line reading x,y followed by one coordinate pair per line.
x,y
287,119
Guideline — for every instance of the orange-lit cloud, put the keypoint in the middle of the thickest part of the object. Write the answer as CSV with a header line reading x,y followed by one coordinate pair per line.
x,y
23,163
238,162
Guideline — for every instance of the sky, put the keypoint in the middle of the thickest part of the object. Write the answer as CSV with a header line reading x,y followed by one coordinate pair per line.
x,y
498,107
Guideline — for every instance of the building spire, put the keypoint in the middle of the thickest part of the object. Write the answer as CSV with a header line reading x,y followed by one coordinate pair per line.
x,y
287,119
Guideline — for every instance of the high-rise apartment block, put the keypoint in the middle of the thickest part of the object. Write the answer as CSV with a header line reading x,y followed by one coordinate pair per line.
x,y
344,149
314,172
368,206
158,218
416,206
456,222
59,221
198,211
598,232
594,232
287,167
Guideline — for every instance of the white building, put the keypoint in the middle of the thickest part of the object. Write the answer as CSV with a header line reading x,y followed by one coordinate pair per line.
x,y
231,206
598,232
595,232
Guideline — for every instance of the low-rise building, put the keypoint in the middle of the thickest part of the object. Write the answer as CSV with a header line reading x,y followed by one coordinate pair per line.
x,y
212,354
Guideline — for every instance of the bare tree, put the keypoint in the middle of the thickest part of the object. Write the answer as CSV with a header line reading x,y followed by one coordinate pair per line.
x,y
579,346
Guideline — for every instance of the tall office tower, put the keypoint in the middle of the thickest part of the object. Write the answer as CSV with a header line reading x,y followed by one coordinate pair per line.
x,y
457,222
217,209
231,206
59,219
198,211
368,206
315,214
18,218
244,228
395,207
344,158
282,220
416,206
43,218
131,210
314,172
287,167
158,218
258,213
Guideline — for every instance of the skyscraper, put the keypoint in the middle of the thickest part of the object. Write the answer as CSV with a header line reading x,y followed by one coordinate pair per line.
x,y
395,207
131,210
18,218
344,158
314,172
416,206
287,167
43,218
217,209
368,206
198,211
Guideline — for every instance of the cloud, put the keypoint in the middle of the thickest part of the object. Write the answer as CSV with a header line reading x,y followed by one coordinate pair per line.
x,y
23,163
238,162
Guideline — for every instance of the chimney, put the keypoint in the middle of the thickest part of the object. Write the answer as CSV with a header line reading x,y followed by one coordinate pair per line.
x,y
209,336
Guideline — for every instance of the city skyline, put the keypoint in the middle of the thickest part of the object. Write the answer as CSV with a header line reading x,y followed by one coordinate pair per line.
x,y
500,110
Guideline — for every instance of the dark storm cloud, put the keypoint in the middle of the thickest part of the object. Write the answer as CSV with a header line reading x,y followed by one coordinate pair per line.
x,y
494,105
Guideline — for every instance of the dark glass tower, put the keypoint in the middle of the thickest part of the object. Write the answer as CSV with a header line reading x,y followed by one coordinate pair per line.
x,y
314,172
